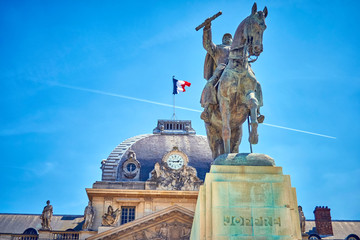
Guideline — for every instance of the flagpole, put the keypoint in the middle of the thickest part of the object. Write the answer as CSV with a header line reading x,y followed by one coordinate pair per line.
x,y
173,116
174,106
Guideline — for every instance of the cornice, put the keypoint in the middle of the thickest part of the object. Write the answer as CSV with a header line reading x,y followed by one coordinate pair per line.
x,y
130,193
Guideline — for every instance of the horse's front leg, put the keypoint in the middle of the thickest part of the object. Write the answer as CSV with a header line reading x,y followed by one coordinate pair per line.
x,y
225,116
253,105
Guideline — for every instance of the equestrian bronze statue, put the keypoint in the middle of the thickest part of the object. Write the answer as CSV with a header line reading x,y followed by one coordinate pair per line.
x,y
232,93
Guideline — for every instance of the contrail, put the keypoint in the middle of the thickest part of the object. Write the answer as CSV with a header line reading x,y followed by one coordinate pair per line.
x,y
168,105
121,96
296,130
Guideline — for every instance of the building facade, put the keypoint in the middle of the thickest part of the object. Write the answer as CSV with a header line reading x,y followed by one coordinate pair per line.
x,y
148,190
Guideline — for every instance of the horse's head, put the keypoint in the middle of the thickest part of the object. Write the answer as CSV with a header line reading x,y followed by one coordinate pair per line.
x,y
249,34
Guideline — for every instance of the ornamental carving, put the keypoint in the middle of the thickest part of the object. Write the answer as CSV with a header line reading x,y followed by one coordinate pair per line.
x,y
165,231
173,173
131,167
111,217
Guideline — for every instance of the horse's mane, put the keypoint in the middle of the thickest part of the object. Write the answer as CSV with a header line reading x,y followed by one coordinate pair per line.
x,y
239,39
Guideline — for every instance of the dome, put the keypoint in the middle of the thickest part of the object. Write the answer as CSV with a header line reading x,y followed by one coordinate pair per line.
x,y
150,149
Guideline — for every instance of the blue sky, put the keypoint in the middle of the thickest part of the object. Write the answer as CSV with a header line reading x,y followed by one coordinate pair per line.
x,y
54,133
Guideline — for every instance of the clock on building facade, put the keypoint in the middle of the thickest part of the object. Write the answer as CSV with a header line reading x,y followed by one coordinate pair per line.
x,y
175,159
173,172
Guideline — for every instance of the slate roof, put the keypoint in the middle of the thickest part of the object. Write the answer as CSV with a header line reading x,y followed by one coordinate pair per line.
x,y
150,148
341,228
109,171
18,223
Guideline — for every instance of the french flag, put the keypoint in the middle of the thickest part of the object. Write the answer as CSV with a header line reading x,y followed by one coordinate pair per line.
x,y
179,86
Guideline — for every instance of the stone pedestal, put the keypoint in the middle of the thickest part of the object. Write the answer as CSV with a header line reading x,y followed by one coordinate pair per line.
x,y
246,202
44,234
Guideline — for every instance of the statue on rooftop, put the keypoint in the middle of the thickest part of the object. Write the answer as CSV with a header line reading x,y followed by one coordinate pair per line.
x,y
46,216
232,93
89,214
131,155
302,219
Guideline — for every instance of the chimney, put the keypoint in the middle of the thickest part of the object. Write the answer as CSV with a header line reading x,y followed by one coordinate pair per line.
x,y
323,220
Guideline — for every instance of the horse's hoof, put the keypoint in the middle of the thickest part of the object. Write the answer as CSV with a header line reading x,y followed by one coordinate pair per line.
x,y
254,138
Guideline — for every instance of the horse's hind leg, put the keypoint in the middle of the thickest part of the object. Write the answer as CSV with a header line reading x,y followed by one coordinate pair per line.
x,y
236,135
253,105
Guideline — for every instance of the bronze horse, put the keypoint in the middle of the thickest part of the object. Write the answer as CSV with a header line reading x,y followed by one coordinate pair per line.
x,y
238,92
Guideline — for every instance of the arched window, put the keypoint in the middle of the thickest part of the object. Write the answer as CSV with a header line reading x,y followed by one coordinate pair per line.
x,y
352,237
30,234
314,237
30,231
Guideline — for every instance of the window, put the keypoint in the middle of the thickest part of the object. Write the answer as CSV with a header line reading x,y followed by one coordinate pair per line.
x,y
29,234
127,214
131,167
30,231
314,237
352,237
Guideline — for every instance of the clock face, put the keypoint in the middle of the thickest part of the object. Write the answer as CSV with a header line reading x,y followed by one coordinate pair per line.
x,y
175,161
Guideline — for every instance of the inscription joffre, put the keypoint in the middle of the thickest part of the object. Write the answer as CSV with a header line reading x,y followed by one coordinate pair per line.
x,y
242,221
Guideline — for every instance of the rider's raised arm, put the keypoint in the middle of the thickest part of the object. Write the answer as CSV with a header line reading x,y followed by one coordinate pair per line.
x,y
209,46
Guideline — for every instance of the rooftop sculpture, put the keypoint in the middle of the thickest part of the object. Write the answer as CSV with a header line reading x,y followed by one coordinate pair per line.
x,y
46,216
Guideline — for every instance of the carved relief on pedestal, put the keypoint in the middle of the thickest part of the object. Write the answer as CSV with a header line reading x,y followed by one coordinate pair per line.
x,y
173,173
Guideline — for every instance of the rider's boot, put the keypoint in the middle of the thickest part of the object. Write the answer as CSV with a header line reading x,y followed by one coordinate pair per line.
x,y
254,136
253,105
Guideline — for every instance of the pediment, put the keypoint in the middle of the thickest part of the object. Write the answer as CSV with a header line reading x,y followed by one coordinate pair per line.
x,y
170,223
